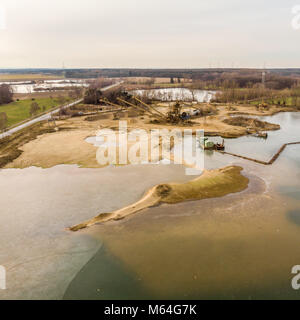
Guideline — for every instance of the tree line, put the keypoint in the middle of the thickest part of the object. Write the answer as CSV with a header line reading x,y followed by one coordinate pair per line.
x,y
287,96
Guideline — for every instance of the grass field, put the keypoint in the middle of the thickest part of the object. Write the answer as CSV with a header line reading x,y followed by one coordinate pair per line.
x,y
19,110
40,95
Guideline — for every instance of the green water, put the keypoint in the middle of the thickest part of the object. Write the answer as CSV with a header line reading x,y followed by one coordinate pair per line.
x,y
242,246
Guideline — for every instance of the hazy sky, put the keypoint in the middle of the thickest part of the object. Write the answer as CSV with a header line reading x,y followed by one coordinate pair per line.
x,y
148,33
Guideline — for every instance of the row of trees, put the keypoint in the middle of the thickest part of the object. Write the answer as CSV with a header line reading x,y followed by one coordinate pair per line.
x,y
286,96
244,80
246,94
172,80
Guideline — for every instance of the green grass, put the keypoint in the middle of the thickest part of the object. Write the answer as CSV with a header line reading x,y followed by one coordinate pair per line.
x,y
19,110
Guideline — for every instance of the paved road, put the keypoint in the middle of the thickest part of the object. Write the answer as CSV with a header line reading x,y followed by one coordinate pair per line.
x,y
47,115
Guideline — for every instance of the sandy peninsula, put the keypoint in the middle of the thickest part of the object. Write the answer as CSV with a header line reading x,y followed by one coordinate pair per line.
x,y
211,184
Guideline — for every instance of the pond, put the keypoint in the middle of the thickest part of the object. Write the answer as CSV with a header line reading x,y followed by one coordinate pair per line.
x,y
43,86
177,94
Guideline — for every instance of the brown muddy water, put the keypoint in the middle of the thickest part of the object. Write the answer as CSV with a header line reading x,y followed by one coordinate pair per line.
x,y
242,246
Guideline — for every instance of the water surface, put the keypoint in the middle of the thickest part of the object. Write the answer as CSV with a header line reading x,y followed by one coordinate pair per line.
x,y
178,94
43,86
242,246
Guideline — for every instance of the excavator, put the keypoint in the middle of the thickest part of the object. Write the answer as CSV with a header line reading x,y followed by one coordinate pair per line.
x,y
175,115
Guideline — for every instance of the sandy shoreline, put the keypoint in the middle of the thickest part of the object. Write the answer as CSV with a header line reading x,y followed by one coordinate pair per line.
x,y
67,145
48,148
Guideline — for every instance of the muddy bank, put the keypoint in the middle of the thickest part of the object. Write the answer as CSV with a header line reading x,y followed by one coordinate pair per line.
x,y
252,125
211,184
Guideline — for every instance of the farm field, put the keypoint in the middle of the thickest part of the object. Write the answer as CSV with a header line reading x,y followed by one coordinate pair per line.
x,y
19,110
27,77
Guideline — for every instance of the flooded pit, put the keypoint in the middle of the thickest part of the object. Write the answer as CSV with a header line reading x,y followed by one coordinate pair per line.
x,y
241,246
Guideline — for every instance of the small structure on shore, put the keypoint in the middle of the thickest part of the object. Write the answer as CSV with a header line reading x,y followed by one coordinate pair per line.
x,y
263,135
207,144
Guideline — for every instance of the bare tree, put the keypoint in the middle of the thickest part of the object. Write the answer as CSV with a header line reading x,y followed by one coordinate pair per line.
x,y
6,94
34,109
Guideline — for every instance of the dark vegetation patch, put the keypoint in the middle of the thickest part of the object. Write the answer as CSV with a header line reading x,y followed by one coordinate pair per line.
x,y
252,123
